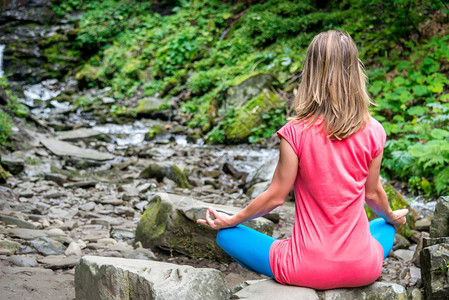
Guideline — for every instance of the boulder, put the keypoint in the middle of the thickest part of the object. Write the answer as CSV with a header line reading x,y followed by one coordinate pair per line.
x,y
169,222
249,116
47,246
159,170
434,262
439,226
246,88
120,278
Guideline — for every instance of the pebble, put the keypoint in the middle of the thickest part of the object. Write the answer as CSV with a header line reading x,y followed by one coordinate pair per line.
x,y
73,249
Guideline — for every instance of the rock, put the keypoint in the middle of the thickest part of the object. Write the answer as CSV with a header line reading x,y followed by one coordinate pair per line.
x,y
119,278
439,226
415,276
78,134
400,242
403,254
258,189
169,222
26,234
430,242
62,148
83,185
10,220
13,164
8,247
56,262
415,294
434,271
154,108
23,261
47,246
246,88
124,211
159,170
423,224
139,253
7,195
73,249
4,175
58,178
249,116
268,289
418,249
376,290
122,234
228,168
397,201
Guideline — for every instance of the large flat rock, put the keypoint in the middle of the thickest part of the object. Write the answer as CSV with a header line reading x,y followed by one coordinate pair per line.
x,y
61,148
169,222
120,278
77,134
268,289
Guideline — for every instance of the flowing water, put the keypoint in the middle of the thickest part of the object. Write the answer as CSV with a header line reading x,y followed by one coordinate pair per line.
x,y
2,49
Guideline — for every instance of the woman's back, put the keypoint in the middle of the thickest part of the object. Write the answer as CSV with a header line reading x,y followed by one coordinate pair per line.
x,y
331,245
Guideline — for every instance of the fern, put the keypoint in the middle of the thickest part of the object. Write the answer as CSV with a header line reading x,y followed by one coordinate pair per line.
x,y
441,181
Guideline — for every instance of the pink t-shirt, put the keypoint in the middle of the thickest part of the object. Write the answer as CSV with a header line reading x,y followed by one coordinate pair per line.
x,y
331,245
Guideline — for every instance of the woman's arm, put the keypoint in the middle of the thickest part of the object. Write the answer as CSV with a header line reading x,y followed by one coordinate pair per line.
x,y
376,198
282,183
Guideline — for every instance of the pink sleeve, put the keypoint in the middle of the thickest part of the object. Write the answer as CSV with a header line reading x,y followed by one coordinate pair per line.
x,y
290,133
380,137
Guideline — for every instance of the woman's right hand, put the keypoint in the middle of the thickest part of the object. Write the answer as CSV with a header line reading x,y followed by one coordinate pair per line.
x,y
397,217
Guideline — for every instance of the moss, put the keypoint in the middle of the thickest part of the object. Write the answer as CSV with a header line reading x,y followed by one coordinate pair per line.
x,y
153,223
250,115
178,176
3,175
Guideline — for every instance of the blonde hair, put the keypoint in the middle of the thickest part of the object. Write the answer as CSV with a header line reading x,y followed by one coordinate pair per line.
x,y
332,91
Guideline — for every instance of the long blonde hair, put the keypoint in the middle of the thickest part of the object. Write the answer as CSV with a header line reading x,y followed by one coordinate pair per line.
x,y
332,91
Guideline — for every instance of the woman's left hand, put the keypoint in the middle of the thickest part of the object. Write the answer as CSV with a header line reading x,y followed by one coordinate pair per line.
x,y
220,220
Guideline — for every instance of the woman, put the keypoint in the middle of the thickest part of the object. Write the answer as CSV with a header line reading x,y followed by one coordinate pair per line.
x,y
331,153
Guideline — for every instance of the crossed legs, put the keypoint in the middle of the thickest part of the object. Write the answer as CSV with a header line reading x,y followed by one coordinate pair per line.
x,y
251,248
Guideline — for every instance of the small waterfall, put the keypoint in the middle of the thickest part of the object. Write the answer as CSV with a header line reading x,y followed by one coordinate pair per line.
x,y
2,48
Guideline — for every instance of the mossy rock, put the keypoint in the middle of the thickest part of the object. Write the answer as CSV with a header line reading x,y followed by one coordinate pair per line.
x,y
88,74
169,223
154,108
3,175
159,170
246,87
249,116
153,131
397,201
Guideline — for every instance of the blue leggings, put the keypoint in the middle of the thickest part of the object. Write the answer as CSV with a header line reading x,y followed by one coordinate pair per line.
x,y
251,248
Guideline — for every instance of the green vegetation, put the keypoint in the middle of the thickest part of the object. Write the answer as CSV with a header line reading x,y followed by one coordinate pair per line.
x,y
200,51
